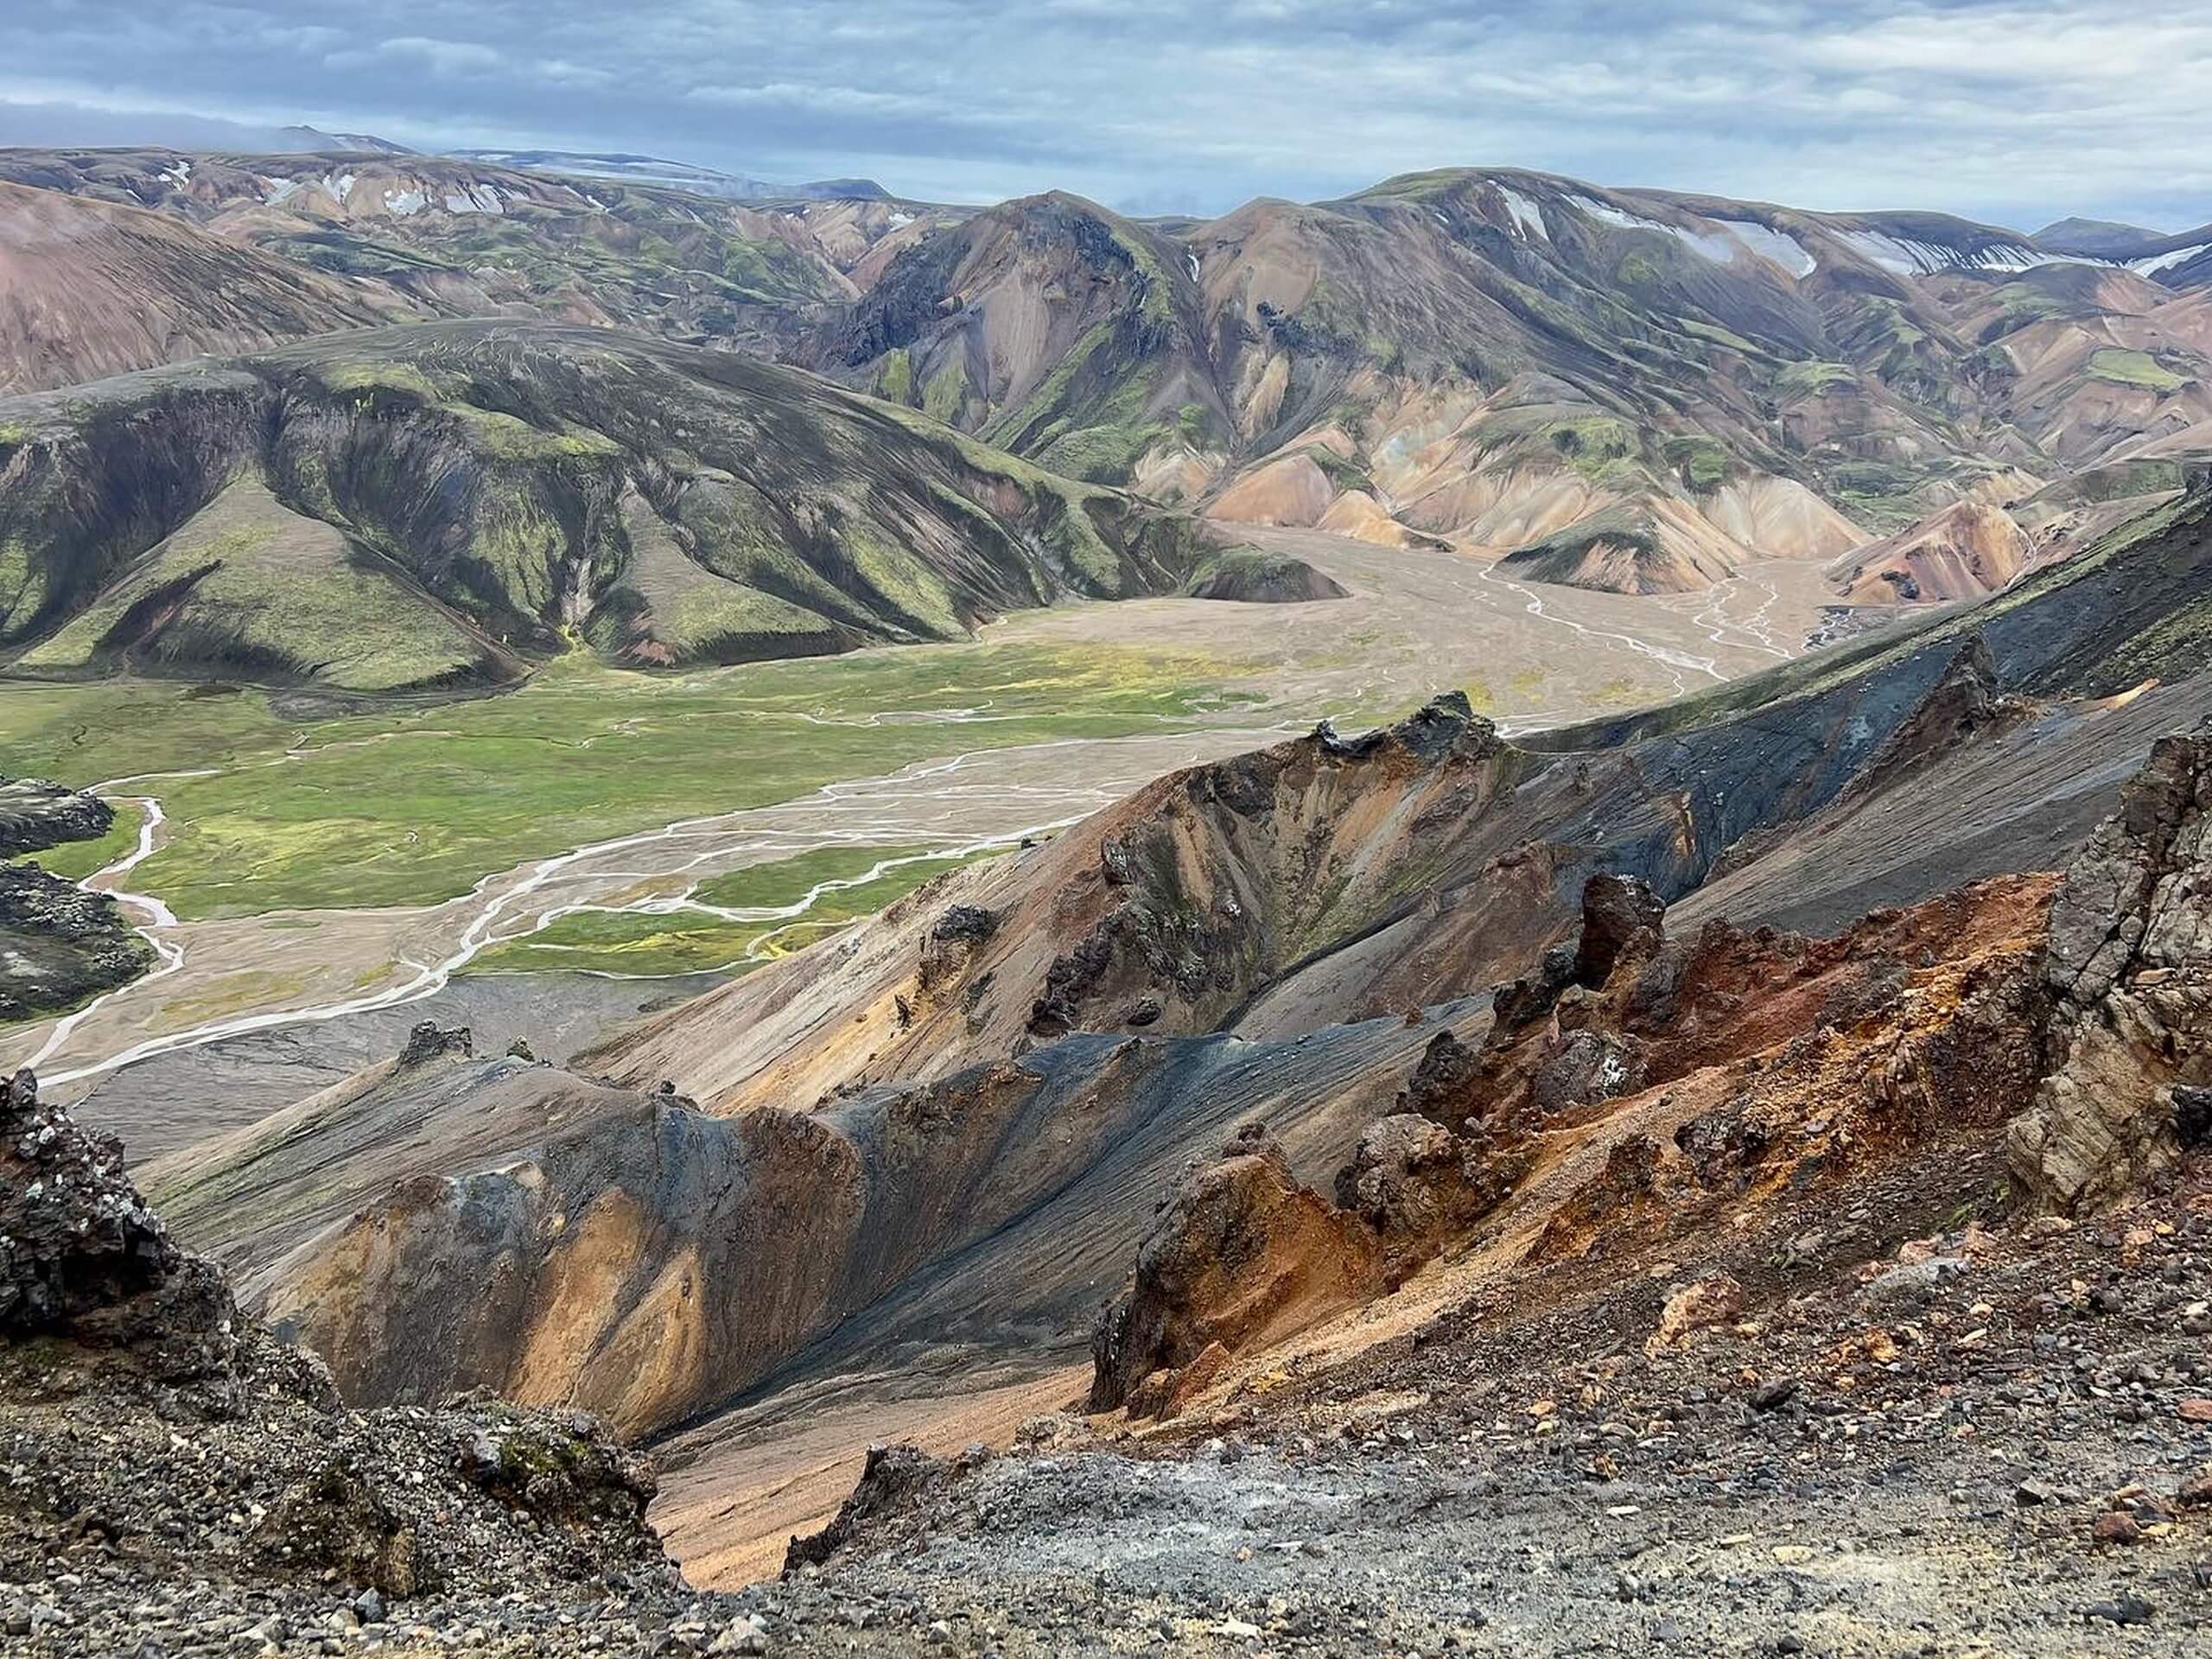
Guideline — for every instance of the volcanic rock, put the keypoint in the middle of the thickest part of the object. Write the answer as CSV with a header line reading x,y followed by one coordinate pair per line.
x,y
35,815
2129,974
1239,1253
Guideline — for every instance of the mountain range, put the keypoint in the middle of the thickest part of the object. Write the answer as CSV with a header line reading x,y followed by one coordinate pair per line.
x,y
1634,390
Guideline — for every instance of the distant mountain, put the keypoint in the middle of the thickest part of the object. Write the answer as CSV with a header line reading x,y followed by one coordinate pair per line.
x,y
89,288
1640,391
432,236
2103,238
430,506
678,175
342,144
1631,390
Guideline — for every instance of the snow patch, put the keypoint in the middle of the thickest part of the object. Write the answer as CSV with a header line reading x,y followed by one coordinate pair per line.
x,y
1194,260
1909,256
477,199
1527,215
900,221
178,173
1767,243
2153,264
276,192
1718,247
338,186
404,203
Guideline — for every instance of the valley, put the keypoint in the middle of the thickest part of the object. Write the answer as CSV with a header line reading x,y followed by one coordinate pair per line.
x,y
311,864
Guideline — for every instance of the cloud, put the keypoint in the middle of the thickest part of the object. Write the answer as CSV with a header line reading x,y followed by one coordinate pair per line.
x,y
2001,109
447,58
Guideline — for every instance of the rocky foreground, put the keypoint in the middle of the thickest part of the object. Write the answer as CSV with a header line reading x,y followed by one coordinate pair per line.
x,y
173,1482
2002,1444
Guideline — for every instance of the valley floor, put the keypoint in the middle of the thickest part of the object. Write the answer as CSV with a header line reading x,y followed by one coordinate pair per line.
x,y
300,869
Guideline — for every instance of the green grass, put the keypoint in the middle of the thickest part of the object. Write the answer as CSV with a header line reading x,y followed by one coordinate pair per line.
x,y
691,942
2134,369
73,860
412,803
1812,379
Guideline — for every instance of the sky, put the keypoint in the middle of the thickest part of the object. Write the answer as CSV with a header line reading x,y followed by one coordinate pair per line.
x,y
2013,112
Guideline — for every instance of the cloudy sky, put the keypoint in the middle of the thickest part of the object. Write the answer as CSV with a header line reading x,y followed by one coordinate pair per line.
x,y
2015,111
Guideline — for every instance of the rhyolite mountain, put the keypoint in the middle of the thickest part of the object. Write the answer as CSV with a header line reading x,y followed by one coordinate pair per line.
x,y
1631,390
434,505
1638,390
392,235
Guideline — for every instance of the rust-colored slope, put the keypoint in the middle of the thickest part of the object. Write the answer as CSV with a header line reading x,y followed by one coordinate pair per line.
x,y
89,288
1968,550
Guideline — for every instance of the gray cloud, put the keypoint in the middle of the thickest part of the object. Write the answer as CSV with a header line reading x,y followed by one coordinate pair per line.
x,y
2009,110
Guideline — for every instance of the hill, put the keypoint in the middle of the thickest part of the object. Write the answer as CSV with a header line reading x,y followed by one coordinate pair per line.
x,y
90,289
432,507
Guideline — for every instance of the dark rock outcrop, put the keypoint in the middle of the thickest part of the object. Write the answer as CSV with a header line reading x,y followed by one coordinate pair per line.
x,y
430,1041
2129,974
1620,915
59,945
172,1452
1249,577
82,1257
35,815
894,1477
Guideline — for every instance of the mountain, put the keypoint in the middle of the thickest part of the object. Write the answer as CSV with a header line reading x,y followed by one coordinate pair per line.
x,y
679,175
431,506
2103,238
433,236
1636,390
343,143
89,288
1631,390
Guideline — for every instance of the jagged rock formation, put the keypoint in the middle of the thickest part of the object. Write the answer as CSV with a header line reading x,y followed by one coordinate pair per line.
x,y
1636,1089
1240,1253
893,1477
176,1477
1173,912
83,1259
2130,972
